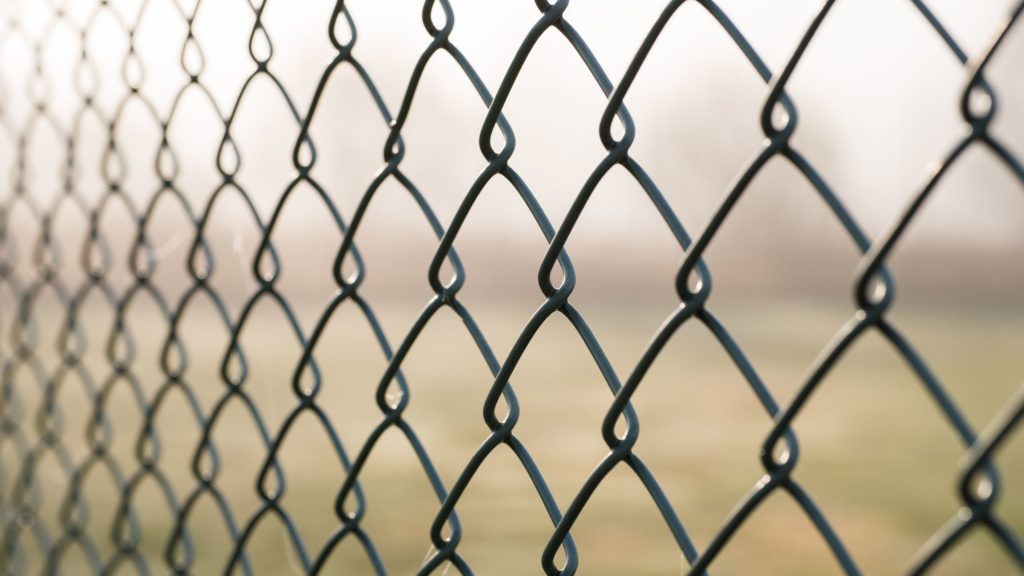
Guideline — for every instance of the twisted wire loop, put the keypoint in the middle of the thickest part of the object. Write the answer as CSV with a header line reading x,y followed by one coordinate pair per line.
x,y
34,373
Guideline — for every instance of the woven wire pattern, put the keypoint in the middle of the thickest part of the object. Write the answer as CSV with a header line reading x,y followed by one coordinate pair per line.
x,y
24,363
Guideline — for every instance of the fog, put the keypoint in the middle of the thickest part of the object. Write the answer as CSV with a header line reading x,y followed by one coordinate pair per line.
x,y
877,95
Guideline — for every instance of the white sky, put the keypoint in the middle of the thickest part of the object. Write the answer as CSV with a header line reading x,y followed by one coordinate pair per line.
x,y
877,93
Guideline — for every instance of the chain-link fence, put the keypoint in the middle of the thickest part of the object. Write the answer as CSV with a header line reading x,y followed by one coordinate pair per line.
x,y
91,368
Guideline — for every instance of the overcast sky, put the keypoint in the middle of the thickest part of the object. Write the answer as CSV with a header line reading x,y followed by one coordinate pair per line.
x,y
877,94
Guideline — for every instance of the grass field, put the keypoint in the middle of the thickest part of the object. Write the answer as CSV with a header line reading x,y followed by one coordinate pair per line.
x,y
877,454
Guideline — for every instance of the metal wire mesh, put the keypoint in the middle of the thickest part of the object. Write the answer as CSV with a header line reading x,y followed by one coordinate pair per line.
x,y
38,434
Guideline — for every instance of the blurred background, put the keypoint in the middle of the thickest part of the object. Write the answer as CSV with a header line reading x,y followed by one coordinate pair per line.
x,y
878,96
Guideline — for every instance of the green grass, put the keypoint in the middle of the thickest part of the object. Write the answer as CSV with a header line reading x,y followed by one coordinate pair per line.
x,y
876,454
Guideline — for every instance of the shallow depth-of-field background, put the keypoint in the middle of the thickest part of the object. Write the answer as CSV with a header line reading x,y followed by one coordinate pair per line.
x,y
877,454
